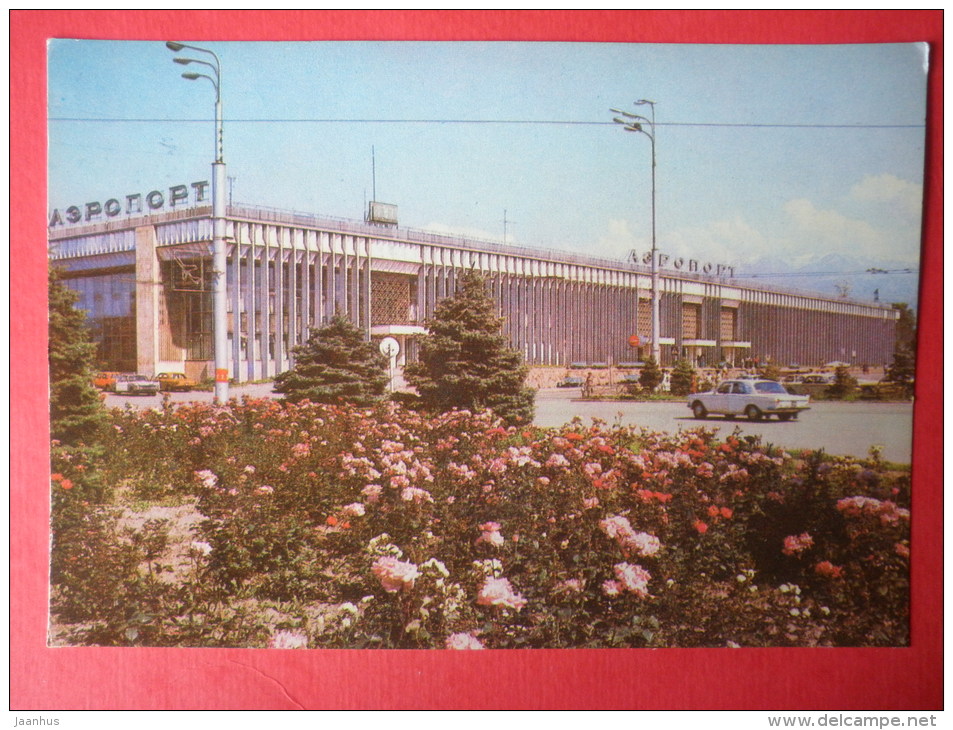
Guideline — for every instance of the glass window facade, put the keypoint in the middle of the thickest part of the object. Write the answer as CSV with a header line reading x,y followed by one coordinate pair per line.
x,y
109,301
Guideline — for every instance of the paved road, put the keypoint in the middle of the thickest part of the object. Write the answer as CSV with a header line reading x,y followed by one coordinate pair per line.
x,y
848,429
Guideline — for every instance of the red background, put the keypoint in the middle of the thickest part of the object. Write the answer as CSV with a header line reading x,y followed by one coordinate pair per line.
x,y
754,679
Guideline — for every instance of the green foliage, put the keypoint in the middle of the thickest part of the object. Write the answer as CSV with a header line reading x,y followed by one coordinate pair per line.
x,y
465,361
844,385
683,377
650,375
76,410
335,365
906,326
902,369
741,544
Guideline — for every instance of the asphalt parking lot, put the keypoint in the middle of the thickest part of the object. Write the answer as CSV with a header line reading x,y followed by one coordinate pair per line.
x,y
847,429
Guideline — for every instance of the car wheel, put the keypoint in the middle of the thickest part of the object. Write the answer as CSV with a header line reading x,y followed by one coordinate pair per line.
x,y
698,410
753,413
785,416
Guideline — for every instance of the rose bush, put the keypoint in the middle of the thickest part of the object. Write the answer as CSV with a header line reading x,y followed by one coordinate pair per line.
x,y
381,527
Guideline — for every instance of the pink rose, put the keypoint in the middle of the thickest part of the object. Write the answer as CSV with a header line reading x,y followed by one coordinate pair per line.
x,y
463,641
634,578
499,592
395,575
416,495
288,640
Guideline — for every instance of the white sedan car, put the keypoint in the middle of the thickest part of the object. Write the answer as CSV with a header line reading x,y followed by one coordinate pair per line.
x,y
134,384
755,399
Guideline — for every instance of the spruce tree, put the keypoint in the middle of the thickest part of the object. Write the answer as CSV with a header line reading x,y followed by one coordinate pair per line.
x,y
77,414
335,365
903,368
650,376
683,377
844,383
465,361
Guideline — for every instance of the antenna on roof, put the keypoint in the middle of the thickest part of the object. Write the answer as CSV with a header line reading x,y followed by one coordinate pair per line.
x,y
379,213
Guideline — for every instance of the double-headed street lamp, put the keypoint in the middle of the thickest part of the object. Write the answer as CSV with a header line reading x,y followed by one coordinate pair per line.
x,y
219,296
637,123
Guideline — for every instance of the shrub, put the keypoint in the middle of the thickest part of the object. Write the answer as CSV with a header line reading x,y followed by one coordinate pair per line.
x,y
379,527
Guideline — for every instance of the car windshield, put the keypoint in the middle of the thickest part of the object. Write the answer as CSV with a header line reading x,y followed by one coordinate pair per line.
x,y
769,387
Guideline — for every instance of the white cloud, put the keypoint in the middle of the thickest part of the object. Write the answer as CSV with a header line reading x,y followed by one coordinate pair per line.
x,y
904,196
829,231
619,240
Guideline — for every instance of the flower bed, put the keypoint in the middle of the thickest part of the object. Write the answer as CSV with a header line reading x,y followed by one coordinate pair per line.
x,y
333,527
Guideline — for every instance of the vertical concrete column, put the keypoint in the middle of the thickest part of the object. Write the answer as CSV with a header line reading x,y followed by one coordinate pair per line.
x,y
566,305
148,290
549,310
251,299
293,326
236,260
319,288
266,322
500,284
516,305
421,290
334,300
356,282
431,268
576,307
306,285
368,294
440,284
280,293
562,357
542,316
339,266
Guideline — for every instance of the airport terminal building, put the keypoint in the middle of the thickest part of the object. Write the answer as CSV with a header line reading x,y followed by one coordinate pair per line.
x,y
143,275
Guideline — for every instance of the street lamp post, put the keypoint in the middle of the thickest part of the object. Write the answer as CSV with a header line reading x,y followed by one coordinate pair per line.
x,y
637,123
219,295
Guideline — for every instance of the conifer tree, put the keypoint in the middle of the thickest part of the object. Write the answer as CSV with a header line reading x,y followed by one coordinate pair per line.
x,y
335,365
902,368
683,377
650,375
844,383
76,410
465,361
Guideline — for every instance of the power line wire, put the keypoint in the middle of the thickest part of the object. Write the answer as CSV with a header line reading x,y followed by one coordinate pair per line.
x,y
550,122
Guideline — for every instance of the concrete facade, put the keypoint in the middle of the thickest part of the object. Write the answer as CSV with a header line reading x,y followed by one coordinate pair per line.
x,y
288,272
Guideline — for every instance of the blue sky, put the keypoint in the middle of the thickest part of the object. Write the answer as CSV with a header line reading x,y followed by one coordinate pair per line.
x,y
790,152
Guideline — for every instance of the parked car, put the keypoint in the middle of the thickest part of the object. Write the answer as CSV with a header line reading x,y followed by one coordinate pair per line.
x,y
570,381
818,378
136,384
175,381
755,399
630,379
106,380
